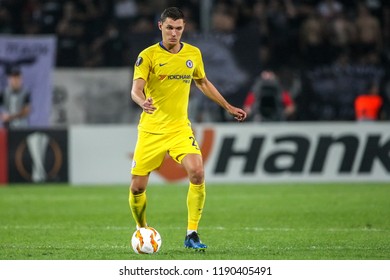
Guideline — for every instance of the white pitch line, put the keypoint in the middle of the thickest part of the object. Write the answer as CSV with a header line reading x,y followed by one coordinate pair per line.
x,y
122,228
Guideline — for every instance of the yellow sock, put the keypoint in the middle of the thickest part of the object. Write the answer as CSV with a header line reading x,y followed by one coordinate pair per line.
x,y
137,204
195,201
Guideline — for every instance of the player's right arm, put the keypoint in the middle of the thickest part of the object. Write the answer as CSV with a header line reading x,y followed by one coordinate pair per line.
x,y
138,96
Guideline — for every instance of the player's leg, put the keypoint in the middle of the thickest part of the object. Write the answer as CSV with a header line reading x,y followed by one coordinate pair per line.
x,y
196,197
148,155
137,199
184,149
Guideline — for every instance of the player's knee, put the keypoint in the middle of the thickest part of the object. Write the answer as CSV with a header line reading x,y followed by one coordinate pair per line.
x,y
136,189
138,184
196,176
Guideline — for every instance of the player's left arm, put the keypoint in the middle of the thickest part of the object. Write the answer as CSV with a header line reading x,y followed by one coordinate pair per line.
x,y
205,86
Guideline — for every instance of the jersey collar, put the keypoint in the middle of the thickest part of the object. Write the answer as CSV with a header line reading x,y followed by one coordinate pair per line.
x,y
161,45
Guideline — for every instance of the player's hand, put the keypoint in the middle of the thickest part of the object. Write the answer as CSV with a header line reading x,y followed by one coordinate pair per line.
x,y
147,106
238,114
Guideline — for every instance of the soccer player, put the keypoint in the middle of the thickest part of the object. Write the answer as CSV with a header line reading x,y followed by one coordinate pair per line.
x,y
162,78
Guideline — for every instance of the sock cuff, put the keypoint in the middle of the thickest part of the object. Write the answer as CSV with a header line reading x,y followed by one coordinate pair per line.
x,y
138,195
197,186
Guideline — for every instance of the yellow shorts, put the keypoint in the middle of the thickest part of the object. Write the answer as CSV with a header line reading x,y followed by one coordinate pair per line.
x,y
151,149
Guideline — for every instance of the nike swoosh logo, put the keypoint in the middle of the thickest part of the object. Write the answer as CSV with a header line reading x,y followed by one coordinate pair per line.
x,y
162,64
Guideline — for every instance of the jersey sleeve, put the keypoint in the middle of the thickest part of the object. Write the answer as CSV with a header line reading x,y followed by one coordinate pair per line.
x,y
199,72
142,66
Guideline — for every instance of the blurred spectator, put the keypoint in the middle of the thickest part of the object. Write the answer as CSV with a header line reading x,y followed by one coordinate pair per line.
x,y
109,50
260,21
314,45
329,9
342,33
223,19
191,14
368,105
70,31
124,9
268,100
386,24
279,30
369,35
10,20
6,23
15,101
32,17
142,25
51,13
93,17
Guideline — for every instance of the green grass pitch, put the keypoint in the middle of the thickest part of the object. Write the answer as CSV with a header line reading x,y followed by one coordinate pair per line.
x,y
257,222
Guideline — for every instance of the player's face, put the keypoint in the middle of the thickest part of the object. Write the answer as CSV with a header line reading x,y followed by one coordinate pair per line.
x,y
171,31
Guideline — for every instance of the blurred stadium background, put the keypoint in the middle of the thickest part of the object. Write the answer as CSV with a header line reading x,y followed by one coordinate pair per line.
x,y
296,66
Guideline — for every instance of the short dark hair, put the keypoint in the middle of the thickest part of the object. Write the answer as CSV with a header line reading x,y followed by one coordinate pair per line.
x,y
173,13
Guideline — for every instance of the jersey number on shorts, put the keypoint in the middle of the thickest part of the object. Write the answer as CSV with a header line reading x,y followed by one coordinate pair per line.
x,y
194,142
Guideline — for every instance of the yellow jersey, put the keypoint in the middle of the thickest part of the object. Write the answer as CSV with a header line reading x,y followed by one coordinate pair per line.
x,y
168,79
